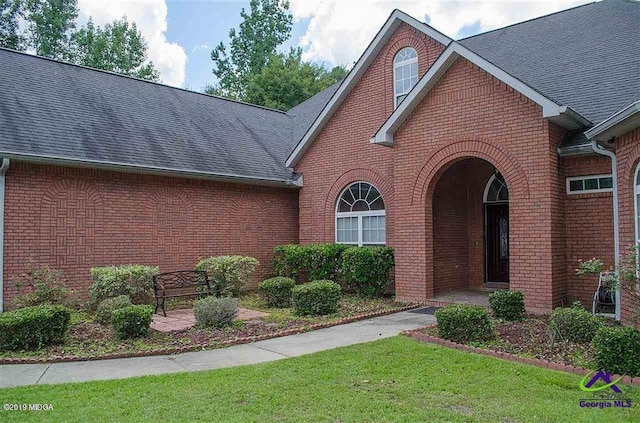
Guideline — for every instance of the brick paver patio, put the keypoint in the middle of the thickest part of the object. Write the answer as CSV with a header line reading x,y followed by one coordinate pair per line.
x,y
184,319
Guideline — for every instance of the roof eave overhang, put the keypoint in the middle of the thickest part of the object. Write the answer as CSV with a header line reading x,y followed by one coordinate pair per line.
x,y
561,115
294,182
621,122
377,44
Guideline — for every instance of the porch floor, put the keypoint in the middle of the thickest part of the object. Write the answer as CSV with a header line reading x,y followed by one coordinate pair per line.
x,y
467,297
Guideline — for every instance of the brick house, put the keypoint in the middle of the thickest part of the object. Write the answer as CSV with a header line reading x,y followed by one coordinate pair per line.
x,y
493,161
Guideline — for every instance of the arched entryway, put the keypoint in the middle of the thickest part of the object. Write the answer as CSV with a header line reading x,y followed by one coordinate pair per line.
x,y
470,213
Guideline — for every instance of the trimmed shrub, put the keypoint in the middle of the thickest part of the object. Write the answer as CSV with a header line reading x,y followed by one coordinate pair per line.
x,y
228,274
324,261
215,312
464,323
33,327
318,297
573,324
366,269
277,291
617,350
134,281
507,305
41,285
289,260
132,321
105,309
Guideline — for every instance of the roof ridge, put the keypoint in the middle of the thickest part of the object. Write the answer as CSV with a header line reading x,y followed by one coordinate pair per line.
x,y
530,20
35,56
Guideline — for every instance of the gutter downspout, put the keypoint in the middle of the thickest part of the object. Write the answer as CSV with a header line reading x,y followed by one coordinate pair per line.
x,y
3,170
616,221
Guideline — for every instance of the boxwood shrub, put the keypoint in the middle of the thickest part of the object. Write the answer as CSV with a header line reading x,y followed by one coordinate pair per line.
x,y
312,261
277,291
215,312
464,323
105,309
132,321
507,305
318,297
573,324
134,281
33,327
617,350
290,260
366,269
228,275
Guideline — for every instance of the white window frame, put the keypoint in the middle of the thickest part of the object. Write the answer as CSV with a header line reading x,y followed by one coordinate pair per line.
x,y
636,191
359,215
584,178
485,195
395,67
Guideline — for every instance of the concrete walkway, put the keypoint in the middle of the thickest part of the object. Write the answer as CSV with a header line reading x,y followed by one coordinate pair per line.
x,y
257,352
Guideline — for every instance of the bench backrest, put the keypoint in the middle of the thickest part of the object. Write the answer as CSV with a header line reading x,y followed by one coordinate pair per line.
x,y
182,282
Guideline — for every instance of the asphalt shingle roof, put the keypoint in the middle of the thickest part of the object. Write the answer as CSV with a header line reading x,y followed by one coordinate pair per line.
x,y
587,57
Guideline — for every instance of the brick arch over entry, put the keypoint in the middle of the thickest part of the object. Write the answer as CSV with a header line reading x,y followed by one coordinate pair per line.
x,y
366,175
440,161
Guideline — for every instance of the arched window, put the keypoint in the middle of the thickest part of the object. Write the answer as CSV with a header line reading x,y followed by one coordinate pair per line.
x,y
360,216
496,190
405,74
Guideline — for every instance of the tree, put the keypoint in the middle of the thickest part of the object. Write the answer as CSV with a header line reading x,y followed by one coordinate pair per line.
x,y
286,81
118,47
9,14
264,28
50,25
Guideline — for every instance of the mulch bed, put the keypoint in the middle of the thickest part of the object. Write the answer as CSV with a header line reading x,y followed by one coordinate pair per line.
x,y
526,342
91,341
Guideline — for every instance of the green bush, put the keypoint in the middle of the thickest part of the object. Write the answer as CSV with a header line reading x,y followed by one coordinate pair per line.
x,y
132,321
318,297
289,260
41,285
366,269
507,305
277,291
464,323
617,350
228,275
105,309
215,312
312,261
33,327
573,324
134,281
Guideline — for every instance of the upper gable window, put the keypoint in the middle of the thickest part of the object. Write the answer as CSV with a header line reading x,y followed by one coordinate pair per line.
x,y
405,74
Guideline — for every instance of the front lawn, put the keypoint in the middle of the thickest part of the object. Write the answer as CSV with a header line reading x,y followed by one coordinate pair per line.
x,y
87,339
396,379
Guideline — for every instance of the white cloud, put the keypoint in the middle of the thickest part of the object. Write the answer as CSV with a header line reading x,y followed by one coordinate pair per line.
x,y
339,31
151,17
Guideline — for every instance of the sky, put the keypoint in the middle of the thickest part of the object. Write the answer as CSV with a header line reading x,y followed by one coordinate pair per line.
x,y
182,33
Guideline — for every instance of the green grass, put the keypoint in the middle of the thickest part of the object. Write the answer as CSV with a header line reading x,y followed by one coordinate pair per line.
x,y
396,379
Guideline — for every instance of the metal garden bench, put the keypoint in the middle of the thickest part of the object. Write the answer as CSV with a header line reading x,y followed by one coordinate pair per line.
x,y
183,283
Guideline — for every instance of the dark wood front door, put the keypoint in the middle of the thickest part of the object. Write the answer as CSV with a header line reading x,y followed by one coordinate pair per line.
x,y
497,239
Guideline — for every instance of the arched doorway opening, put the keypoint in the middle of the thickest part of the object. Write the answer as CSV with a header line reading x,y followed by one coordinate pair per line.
x,y
470,228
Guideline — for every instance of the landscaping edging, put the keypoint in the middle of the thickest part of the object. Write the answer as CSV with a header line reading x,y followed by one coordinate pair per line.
x,y
204,346
419,335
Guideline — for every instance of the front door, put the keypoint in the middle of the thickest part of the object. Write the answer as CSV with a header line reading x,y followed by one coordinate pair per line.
x,y
497,239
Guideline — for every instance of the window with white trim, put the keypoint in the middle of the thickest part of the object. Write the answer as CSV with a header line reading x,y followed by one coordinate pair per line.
x,y
636,200
360,216
405,74
589,184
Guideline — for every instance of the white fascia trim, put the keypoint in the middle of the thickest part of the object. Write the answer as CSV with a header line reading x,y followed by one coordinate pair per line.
x,y
357,72
615,124
564,115
152,170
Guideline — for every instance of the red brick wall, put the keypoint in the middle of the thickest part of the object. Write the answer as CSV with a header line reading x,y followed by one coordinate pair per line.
x,y
74,219
628,157
589,227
